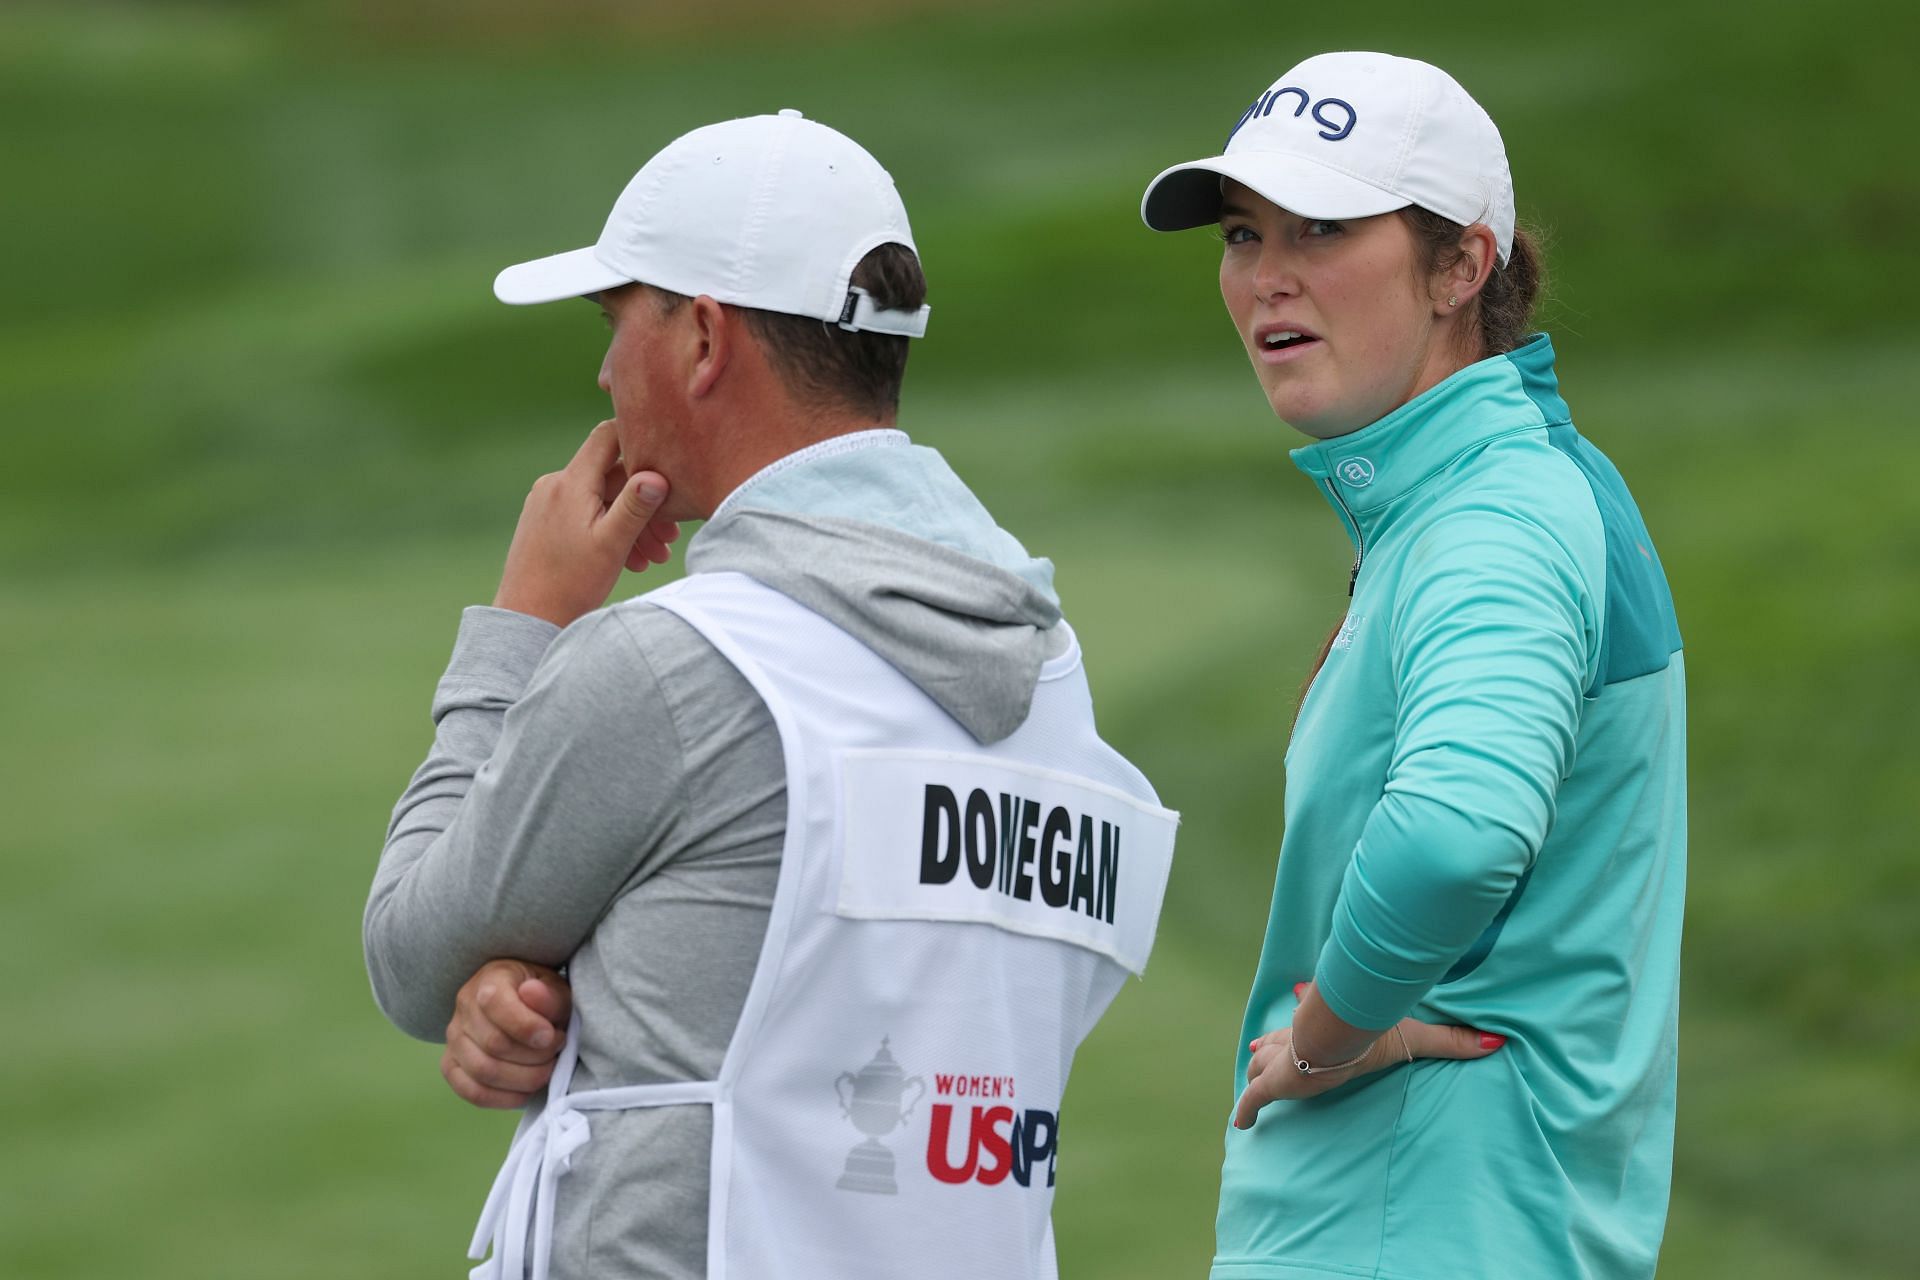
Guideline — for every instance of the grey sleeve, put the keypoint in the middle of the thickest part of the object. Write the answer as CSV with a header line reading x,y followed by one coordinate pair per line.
x,y
555,776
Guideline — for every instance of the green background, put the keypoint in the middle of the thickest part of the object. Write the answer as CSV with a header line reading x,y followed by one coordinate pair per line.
x,y
266,431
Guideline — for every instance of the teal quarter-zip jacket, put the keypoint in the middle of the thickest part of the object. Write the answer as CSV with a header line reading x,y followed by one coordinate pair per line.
x,y
1485,825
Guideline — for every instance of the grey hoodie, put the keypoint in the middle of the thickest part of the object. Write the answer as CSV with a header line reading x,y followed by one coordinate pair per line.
x,y
612,797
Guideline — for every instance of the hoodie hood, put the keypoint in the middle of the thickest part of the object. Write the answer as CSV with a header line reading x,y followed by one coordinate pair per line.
x,y
888,544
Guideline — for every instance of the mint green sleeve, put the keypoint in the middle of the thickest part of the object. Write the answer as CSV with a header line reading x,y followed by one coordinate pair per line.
x,y
1493,632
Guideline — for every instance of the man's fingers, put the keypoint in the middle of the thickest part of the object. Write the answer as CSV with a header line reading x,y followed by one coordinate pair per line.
x,y
597,453
549,997
644,494
492,1072
648,551
473,1091
507,1027
655,544
628,515
1430,1040
611,482
497,1044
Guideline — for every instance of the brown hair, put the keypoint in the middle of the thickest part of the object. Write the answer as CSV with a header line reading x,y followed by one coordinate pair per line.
x,y
829,367
1499,316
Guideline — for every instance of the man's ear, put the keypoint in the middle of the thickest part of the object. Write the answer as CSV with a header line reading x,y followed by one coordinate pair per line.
x,y
1464,280
714,339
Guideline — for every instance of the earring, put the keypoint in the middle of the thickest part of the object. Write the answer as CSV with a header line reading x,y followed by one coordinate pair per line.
x,y
1453,302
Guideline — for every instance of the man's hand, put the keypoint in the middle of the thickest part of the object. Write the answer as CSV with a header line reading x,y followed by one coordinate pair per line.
x,y
578,527
1271,1074
509,1023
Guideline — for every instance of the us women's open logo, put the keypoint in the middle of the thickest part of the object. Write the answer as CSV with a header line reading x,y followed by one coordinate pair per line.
x,y
981,1134
977,1132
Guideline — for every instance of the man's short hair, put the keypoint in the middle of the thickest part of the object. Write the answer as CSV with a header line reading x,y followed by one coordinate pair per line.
x,y
829,367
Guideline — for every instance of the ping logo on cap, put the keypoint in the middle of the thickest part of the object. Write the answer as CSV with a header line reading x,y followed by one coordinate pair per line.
x,y
1331,130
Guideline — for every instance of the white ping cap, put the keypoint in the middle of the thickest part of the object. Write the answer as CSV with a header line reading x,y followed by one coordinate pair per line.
x,y
1349,135
772,212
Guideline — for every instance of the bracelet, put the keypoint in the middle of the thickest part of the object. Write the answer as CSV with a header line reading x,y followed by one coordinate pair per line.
x,y
1306,1068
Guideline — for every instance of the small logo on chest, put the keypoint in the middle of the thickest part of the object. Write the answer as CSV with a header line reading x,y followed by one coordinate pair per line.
x,y
1357,472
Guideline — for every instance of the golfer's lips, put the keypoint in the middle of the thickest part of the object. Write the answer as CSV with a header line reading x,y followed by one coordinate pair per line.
x,y
1279,342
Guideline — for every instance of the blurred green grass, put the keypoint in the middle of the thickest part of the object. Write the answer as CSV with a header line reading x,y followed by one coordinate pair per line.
x,y
267,432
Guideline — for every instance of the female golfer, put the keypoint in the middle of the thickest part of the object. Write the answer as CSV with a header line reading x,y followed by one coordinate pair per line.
x,y
1458,1057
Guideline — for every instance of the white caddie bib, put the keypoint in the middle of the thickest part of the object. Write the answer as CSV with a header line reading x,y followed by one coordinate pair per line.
x,y
950,921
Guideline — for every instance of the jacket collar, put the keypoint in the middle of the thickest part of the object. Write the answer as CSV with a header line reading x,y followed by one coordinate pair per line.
x,y
1367,470
877,477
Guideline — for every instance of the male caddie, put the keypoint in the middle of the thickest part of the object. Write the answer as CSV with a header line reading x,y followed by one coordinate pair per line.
x,y
839,870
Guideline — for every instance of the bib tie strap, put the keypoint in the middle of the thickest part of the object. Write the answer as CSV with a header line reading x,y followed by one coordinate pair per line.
x,y
522,1195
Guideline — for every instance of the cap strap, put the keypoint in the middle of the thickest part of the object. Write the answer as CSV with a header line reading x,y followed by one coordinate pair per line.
x,y
860,315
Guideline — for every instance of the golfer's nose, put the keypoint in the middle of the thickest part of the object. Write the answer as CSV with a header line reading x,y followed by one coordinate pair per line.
x,y
1276,274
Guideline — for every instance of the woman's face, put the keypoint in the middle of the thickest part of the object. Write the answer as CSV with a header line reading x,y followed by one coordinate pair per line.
x,y
1339,325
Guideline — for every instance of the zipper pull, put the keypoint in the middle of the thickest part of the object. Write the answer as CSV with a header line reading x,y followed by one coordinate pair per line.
x,y
1353,579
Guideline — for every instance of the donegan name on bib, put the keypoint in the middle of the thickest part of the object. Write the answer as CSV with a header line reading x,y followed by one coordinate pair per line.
x,y
931,835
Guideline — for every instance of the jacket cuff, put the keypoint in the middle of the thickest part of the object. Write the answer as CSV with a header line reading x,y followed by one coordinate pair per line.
x,y
494,658
1359,996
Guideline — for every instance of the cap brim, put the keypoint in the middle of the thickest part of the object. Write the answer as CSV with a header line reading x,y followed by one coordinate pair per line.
x,y
1188,195
563,275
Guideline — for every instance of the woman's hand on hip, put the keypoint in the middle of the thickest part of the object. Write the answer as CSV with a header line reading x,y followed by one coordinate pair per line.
x,y
1272,1075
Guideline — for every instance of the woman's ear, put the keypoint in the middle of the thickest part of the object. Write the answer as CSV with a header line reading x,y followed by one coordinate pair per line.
x,y
1463,281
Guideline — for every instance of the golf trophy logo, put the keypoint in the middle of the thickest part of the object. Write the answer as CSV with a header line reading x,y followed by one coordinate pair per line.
x,y
872,1101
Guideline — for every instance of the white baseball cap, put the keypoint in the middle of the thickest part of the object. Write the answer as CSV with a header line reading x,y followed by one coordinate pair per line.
x,y
772,212
1349,135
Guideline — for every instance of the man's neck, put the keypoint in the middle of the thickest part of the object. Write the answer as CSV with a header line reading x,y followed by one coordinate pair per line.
x,y
839,443
755,452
